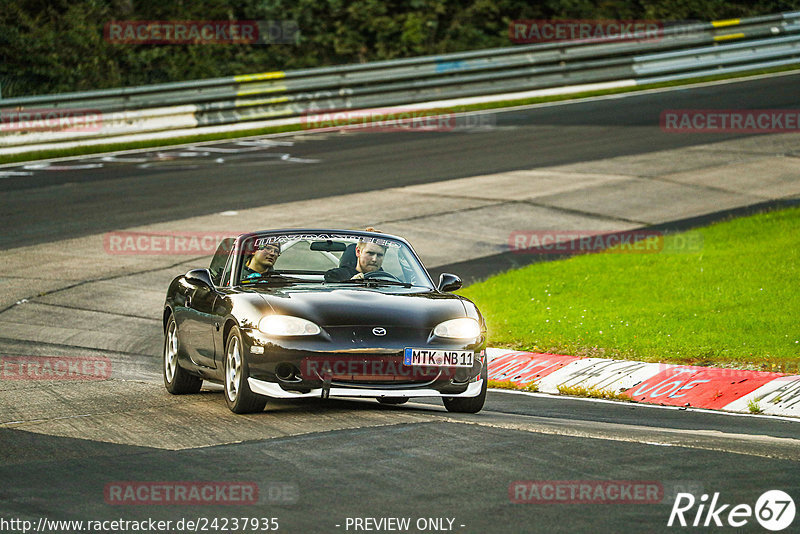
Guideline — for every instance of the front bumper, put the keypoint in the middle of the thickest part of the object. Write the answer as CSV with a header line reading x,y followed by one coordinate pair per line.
x,y
348,366
274,390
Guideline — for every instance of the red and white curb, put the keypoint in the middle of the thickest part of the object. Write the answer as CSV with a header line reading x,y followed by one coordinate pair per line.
x,y
654,383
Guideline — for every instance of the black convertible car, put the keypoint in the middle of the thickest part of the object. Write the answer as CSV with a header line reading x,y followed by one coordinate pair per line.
x,y
323,313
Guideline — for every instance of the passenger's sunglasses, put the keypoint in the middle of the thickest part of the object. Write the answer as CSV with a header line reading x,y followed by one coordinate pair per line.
x,y
275,250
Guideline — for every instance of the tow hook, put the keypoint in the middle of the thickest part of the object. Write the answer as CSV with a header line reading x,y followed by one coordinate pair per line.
x,y
326,385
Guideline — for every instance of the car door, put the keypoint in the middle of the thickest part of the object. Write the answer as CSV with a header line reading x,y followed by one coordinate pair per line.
x,y
201,320
199,323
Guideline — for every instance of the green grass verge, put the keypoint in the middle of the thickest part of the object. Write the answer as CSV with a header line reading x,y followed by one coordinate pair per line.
x,y
754,407
508,384
593,393
732,303
154,143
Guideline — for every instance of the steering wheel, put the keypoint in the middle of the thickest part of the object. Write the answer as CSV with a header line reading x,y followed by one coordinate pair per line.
x,y
381,274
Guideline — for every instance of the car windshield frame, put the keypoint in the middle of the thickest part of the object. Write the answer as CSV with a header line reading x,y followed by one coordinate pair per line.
x,y
404,263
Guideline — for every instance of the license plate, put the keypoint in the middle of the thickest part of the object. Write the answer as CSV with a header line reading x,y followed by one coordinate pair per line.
x,y
438,358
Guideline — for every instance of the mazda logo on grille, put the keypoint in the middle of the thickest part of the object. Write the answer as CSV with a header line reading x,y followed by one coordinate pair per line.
x,y
378,331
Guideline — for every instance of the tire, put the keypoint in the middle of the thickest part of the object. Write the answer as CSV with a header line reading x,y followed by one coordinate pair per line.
x,y
393,400
469,404
177,380
237,393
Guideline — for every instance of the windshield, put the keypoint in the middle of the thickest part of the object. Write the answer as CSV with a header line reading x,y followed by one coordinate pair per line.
x,y
330,258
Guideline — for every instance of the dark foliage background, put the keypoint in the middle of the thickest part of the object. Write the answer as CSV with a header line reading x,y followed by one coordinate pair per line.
x,y
52,46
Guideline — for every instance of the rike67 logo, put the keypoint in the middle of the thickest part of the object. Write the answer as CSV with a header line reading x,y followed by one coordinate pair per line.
x,y
774,510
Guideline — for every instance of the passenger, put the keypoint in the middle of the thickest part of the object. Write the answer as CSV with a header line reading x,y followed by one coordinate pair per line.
x,y
262,261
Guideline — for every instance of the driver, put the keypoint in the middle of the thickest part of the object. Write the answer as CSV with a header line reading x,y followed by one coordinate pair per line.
x,y
262,261
369,258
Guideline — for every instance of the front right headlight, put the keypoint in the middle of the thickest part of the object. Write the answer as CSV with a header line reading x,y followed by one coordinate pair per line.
x,y
462,328
287,325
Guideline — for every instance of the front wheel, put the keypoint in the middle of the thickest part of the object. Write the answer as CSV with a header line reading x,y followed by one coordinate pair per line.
x,y
238,396
469,404
177,380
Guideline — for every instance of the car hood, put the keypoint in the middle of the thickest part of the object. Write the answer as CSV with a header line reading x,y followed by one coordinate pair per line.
x,y
394,306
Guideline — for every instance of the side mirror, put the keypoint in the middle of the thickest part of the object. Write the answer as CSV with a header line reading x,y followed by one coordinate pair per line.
x,y
200,277
448,282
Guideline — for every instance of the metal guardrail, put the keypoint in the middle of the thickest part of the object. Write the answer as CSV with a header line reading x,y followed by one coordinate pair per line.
x,y
678,52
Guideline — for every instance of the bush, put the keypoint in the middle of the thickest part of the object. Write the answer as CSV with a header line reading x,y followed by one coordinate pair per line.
x,y
53,46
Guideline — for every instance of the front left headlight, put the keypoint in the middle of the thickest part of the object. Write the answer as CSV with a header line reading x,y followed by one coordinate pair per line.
x,y
287,325
462,328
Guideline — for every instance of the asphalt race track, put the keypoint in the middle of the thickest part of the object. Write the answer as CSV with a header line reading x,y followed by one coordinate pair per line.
x,y
426,465
42,206
350,466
